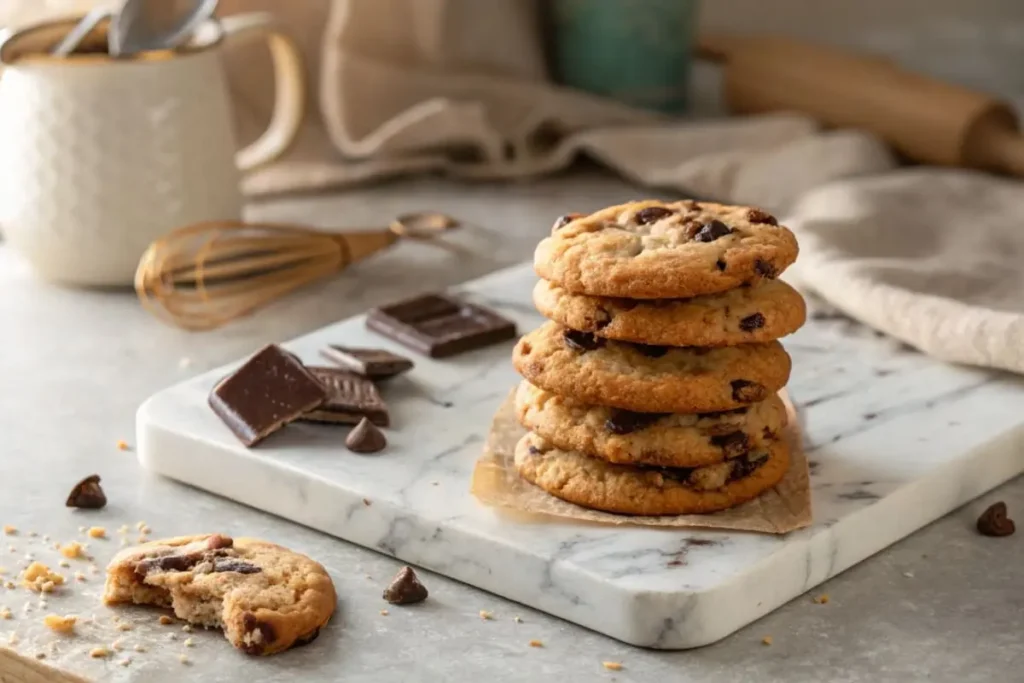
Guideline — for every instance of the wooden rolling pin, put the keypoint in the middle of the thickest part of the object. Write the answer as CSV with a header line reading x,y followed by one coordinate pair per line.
x,y
925,119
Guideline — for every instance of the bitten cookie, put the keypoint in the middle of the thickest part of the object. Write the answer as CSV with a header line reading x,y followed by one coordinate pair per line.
x,y
633,490
666,440
665,250
265,597
739,316
650,379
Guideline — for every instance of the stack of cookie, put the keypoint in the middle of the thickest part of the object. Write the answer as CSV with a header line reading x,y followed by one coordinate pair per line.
x,y
653,390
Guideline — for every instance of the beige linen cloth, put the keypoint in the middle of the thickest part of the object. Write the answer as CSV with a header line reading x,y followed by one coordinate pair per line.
x,y
932,257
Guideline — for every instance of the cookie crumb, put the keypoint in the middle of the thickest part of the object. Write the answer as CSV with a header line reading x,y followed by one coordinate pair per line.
x,y
9,585
165,620
140,525
536,643
123,529
10,530
81,530
40,655
39,578
12,639
99,653
189,642
93,569
122,445
126,661
42,603
32,534
485,615
72,550
64,563
124,626
187,628
517,619
367,502
97,532
909,575
612,666
79,576
767,640
821,599
5,613
183,659
172,636
384,613
47,587
116,645
139,648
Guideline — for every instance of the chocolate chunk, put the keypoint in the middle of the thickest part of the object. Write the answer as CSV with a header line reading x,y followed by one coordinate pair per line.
x,y
733,444
372,363
270,390
752,322
366,438
350,398
565,220
720,264
440,326
87,494
651,351
602,318
680,474
405,588
994,522
711,231
218,541
745,391
582,341
258,634
533,450
765,269
626,421
651,214
759,216
237,566
745,466
169,563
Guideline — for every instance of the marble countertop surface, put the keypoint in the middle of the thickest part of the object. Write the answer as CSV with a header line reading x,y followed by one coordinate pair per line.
x,y
945,604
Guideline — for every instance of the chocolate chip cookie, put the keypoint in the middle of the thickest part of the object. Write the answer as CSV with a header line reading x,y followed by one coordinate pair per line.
x,y
265,597
647,378
739,316
635,490
662,439
665,250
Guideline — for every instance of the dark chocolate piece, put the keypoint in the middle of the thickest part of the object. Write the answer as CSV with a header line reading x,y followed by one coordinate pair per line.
x,y
372,363
258,634
366,438
234,565
759,216
652,214
87,494
994,522
582,341
439,326
733,444
626,421
270,390
745,391
405,588
350,398
711,231
752,322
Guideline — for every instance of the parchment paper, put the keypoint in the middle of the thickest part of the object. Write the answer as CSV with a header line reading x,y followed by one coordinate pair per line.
x,y
496,483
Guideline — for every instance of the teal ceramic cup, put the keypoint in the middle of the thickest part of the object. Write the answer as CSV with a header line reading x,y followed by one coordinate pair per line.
x,y
634,51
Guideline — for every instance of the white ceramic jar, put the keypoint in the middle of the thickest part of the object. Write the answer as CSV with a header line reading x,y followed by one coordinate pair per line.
x,y
99,157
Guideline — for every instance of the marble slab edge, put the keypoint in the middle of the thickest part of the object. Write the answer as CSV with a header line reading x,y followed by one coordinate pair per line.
x,y
663,620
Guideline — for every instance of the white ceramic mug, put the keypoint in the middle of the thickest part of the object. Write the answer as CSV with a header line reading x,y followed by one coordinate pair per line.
x,y
100,156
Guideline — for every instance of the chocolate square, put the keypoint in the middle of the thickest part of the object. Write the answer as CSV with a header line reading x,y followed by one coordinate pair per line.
x,y
372,363
438,326
270,390
350,398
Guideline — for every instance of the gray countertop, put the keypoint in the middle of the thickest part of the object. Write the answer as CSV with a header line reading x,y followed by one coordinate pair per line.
x,y
943,605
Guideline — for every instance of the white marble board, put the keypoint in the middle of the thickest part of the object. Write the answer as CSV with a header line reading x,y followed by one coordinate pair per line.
x,y
895,440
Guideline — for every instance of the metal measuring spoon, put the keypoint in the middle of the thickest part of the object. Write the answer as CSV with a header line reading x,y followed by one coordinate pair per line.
x,y
143,25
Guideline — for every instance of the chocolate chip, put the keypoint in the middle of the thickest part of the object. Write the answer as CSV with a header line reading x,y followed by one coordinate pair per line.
x,y
720,264
651,214
307,639
237,566
759,216
745,391
219,541
366,437
681,474
691,228
994,522
169,563
651,351
582,341
765,269
744,467
533,450
405,588
711,231
752,322
258,635
733,444
87,494
565,220
627,421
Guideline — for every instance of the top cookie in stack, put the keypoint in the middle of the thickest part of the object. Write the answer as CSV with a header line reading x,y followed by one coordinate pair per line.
x,y
653,389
